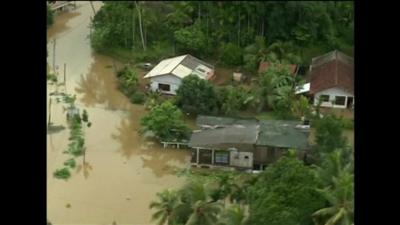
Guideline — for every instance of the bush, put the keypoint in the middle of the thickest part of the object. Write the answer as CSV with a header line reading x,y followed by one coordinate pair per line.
x,y
50,17
231,55
137,98
62,173
348,123
70,162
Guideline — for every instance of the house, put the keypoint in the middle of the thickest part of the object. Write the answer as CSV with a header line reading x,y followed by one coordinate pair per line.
x,y
264,66
245,143
332,80
167,76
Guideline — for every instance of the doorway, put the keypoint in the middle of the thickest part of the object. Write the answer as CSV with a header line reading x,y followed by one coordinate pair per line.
x,y
349,102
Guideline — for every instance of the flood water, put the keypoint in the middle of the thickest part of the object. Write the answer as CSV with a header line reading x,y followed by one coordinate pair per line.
x,y
123,172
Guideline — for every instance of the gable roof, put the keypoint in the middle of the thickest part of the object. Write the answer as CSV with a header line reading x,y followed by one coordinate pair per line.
x,y
181,66
223,131
334,69
264,66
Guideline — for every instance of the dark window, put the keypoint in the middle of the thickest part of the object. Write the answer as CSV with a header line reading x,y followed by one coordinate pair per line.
x,y
324,98
164,87
340,100
221,157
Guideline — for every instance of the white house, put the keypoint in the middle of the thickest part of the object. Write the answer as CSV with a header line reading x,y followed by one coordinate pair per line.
x,y
167,76
332,80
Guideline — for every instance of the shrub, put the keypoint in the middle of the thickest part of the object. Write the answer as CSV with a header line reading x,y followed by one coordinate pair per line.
x,y
70,162
137,98
231,55
62,173
348,123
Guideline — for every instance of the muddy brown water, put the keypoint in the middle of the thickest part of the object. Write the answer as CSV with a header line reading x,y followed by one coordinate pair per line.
x,y
123,172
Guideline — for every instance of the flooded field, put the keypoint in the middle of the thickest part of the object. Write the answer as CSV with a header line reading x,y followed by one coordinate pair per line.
x,y
123,172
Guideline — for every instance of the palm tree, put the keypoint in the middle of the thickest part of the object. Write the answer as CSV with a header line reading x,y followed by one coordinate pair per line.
x,y
235,215
204,213
333,164
166,206
341,201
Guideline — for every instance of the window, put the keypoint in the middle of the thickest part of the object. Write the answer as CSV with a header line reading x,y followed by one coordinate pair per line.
x,y
324,98
340,100
164,87
222,157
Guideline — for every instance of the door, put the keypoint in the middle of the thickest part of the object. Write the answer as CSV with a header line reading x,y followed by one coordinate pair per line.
x,y
349,102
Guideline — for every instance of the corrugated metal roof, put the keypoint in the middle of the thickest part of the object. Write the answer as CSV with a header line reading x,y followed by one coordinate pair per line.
x,y
302,89
165,66
219,131
282,134
181,67
181,71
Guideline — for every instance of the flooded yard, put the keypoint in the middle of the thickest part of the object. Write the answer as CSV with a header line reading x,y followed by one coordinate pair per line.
x,y
123,172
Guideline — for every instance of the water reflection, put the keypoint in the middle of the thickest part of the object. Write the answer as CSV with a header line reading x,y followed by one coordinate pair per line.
x,y
51,129
154,157
87,167
99,86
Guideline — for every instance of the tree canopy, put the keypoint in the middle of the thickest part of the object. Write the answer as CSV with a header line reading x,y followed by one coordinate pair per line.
x,y
303,29
166,122
196,96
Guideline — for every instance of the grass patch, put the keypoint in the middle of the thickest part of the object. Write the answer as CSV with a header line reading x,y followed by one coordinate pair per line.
x,y
267,116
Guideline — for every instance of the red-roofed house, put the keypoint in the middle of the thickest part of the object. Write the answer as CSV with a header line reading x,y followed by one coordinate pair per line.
x,y
332,80
265,65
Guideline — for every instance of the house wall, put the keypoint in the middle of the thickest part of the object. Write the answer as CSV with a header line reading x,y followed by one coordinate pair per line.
x,y
332,92
169,79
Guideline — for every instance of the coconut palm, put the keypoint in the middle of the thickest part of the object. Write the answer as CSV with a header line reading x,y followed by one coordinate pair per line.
x,y
333,164
234,215
168,201
204,213
341,201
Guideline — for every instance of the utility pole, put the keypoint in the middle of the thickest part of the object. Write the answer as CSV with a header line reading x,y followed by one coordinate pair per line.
x,y
48,125
65,80
54,55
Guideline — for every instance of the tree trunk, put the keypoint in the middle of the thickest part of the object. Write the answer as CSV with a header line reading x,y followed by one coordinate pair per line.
x,y
140,25
199,16
239,28
262,28
94,11
133,29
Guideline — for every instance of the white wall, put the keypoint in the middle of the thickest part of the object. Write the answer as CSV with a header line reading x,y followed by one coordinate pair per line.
x,y
171,80
332,92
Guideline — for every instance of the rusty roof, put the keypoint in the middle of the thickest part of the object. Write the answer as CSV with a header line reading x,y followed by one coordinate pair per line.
x,y
334,69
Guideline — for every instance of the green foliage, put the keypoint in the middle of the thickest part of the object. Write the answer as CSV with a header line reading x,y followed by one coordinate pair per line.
x,y
329,134
192,40
52,77
85,116
196,96
285,193
199,28
166,122
232,100
50,17
231,55
166,205
62,173
337,173
348,123
138,98
301,107
153,99
128,79
70,162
